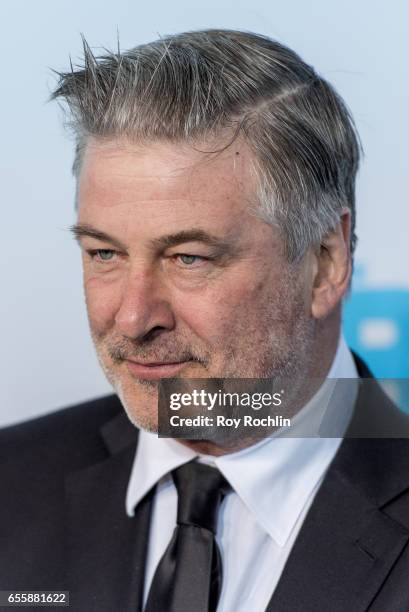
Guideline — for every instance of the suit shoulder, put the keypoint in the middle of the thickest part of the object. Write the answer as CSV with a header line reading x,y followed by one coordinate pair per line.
x,y
73,427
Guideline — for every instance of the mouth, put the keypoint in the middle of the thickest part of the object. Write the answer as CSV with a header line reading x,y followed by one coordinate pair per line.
x,y
154,370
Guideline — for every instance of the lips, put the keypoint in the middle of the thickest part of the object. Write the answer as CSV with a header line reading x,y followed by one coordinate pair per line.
x,y
154,370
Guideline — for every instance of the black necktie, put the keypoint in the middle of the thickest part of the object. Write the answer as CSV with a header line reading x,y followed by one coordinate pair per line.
x,y
189,575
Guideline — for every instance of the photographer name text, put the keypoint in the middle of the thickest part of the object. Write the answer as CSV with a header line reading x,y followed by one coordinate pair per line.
x,y
234,422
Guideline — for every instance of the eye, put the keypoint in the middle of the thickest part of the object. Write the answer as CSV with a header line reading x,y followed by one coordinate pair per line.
x,y
102,255
190,260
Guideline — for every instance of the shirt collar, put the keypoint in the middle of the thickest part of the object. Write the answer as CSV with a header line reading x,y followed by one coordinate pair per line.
x,y
274,478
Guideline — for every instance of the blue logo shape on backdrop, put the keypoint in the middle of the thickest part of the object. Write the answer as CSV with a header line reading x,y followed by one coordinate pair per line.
x,y
376,326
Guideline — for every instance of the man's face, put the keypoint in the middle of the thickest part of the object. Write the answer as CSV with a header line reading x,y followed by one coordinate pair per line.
x,y
180,278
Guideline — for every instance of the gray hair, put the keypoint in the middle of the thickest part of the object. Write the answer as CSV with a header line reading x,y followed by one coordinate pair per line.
x,y
190,86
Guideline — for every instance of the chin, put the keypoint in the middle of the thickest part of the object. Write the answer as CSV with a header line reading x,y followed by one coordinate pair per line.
x,y
147,423
140,402
145,418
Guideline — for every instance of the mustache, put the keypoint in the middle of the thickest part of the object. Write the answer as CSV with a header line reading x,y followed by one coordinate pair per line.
x,y
122,350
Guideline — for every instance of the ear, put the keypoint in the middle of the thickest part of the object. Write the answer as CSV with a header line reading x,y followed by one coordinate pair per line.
x,y
332,269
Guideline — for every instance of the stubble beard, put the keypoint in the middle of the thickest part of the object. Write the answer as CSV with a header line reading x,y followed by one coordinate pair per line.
x,y
111,356
285,356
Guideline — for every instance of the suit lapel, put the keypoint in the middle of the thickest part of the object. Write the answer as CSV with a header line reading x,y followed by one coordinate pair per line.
x,y
343,553
106,549
349,541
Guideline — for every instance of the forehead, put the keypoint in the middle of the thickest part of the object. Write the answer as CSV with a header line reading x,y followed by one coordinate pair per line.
x,y
119,173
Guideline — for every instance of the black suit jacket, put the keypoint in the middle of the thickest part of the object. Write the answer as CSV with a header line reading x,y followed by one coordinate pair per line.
x,y
63,523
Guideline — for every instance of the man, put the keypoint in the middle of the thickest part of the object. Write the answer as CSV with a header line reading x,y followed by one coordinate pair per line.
x,y
215,194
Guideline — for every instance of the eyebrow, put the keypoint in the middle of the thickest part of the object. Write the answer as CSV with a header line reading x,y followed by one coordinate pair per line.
x,y
81,230
193,235
163,242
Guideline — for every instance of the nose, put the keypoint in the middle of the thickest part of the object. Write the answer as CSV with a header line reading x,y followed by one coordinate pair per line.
x,y
144,308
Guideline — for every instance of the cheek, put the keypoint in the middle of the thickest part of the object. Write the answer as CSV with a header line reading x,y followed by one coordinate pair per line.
x,y
220,313
103,301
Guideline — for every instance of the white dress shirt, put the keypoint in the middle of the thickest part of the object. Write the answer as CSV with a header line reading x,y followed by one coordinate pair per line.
x,y
273,485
